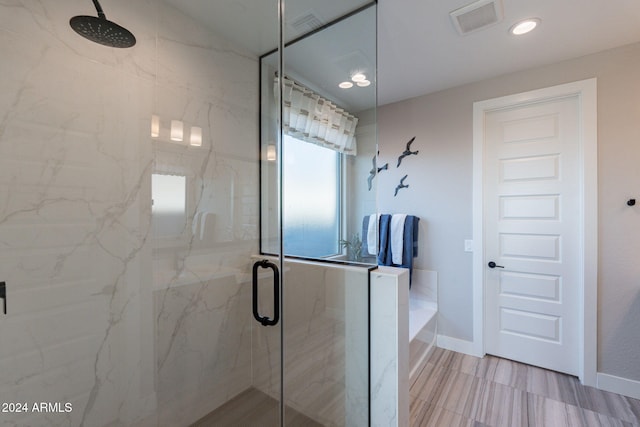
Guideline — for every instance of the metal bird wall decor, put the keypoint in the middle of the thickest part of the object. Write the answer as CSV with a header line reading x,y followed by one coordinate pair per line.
x,y
375,169
401,185
407,151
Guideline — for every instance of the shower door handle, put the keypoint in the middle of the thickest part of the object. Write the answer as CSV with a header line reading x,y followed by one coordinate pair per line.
x,y
264,320
3,296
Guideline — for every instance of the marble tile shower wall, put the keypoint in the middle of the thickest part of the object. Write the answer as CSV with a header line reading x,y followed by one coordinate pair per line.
x,y
101,316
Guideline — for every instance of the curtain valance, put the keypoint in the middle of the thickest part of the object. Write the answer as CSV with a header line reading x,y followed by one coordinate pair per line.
x,y
309,117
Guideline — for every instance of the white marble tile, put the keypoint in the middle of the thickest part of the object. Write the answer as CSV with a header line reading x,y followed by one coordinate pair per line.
x,y
202,338
390,345
76,159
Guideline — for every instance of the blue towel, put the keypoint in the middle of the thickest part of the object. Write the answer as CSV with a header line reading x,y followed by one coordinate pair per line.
x,y
384,250
410,243
410,249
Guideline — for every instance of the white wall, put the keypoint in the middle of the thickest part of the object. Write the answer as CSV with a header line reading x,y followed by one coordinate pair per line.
x,y
440,180
361,200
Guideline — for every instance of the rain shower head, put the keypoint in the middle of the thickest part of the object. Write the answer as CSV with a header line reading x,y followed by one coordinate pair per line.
x,y
100,30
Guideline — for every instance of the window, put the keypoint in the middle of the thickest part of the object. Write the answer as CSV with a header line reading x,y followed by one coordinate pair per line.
x,y
169,208
311,189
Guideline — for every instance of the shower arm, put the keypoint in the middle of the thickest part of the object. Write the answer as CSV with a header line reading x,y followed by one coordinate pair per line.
x,y
99,9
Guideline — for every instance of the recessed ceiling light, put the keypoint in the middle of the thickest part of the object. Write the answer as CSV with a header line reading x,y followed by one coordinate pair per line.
x,y
525,26
363,83
358,77
345,85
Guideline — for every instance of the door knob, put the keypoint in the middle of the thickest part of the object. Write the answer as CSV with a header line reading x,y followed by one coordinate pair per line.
x,y
494,265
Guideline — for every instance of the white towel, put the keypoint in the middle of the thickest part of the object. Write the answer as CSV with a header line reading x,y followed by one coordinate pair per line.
x,y
397,237
372,235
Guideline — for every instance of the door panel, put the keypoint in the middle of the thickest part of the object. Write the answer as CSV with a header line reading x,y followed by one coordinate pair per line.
x,y
530,207
530,325
529,169
527,285
532,230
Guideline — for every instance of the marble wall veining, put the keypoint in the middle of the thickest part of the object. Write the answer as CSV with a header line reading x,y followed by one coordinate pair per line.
x,y
102,315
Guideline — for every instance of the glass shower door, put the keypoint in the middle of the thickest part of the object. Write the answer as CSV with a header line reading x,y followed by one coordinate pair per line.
x,y
314,194
129,228
205,181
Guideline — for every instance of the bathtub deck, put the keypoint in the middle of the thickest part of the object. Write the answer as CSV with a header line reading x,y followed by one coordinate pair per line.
x,y
422,331
421,312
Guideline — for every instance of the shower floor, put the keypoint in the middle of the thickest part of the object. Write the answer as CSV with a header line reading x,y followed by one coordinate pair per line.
x,y
314,383
253,408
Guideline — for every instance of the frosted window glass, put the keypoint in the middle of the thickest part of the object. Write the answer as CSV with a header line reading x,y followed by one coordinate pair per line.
x,y
311,199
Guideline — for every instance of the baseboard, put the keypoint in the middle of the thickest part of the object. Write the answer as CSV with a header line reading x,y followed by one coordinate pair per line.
x,y
624,386
457,345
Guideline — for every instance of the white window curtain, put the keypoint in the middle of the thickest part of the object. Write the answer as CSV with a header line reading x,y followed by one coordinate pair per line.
x,y
312,118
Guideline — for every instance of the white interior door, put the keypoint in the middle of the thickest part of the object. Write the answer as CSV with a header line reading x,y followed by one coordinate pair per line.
x,y
532,216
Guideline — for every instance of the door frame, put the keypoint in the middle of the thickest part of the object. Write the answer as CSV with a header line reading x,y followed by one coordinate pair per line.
x,y
586,91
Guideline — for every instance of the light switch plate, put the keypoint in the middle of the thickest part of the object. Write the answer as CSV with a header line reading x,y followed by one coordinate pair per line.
x,y
468,245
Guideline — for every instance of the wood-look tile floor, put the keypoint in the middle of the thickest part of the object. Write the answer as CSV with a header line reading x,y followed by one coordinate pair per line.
x,y
454,389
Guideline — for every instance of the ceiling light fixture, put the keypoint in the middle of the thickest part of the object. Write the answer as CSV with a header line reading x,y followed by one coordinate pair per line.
x,y
345,85
524,26
358,77
363,83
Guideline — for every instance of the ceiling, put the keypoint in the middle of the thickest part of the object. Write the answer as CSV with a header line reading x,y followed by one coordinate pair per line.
x,y
418,49
346,48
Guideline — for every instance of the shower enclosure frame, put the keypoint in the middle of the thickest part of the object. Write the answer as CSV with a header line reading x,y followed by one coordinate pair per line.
x,y
282,257
280,71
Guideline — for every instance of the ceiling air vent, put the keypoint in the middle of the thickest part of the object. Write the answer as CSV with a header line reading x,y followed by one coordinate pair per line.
x,y
306,23
477,15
